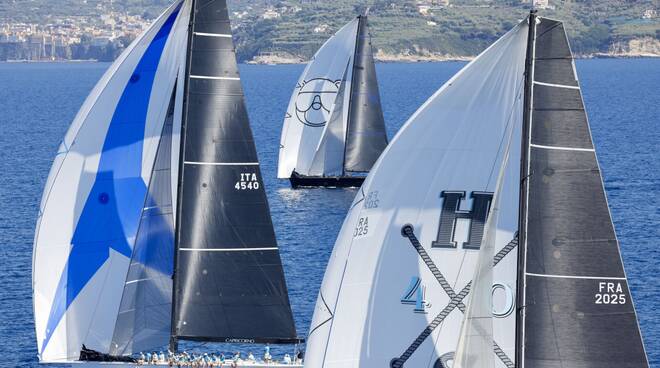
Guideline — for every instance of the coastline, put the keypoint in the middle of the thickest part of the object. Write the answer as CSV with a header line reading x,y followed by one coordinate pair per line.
x,y
382,58
401,58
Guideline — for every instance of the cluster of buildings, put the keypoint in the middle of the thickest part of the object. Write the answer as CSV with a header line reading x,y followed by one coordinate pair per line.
x,y
63,38
426,7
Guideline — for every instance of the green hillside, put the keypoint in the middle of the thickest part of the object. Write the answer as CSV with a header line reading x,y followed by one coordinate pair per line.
x,y
461,29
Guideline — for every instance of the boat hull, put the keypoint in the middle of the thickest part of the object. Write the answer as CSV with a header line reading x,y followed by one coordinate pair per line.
x,y
302,181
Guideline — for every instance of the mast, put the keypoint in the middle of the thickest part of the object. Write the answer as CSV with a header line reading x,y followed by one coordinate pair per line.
x,y
366,137
524,172
174,345
229,283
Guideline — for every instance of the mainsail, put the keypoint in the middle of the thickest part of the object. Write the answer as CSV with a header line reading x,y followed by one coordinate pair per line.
x,y
366,137
395,289
576,307
338,87
229,282
119,195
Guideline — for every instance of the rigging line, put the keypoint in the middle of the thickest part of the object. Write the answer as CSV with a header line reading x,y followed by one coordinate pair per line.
x,y
453,304
408,232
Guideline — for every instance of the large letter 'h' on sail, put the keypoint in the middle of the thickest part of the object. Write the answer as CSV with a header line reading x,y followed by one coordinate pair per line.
x,y
451,212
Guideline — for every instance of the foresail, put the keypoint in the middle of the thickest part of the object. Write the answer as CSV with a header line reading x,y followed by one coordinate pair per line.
x,y
578,310
312,99
395,288
95,193
144,318
229,281
476,344
366,137
329,157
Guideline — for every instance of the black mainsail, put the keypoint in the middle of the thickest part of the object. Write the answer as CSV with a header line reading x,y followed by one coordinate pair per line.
x,y
229,282
366,137
575,305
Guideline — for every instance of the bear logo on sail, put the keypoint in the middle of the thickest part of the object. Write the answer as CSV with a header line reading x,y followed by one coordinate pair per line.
x,y
314,101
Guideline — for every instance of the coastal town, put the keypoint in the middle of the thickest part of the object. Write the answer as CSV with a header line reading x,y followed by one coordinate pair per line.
x,y
103,35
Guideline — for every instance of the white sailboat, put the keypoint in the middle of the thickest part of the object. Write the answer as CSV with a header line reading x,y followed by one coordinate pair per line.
x,y
154,226
491,186
334,128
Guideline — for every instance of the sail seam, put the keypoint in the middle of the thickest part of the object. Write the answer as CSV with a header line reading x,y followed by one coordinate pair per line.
x,y
574,277
559,148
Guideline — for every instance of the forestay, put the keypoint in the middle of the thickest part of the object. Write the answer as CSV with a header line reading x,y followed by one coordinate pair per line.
x,y
313,99
96,192
394,290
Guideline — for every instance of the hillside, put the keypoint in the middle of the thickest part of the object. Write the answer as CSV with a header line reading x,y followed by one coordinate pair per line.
x,y
401,29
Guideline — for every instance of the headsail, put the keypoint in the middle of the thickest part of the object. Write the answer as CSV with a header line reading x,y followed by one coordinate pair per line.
x,y
329,157
94,196
393,300
476,344
578,310
143,322
229,283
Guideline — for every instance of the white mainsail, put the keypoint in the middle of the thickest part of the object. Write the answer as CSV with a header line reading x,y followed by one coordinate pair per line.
x,y
313,99
96,190
390,300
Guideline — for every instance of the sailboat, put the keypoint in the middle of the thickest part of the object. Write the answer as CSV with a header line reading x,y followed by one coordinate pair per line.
x,y
334,128
154,226
482,237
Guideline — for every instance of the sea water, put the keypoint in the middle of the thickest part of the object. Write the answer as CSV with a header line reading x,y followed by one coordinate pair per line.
x,y
38,102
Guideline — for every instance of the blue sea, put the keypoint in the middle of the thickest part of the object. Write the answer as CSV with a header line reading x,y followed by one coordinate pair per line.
x,y
38,102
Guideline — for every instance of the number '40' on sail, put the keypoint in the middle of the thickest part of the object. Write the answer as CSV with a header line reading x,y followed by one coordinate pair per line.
x,y
482,236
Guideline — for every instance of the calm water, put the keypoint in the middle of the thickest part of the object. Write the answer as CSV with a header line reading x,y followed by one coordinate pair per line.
x,y
38,101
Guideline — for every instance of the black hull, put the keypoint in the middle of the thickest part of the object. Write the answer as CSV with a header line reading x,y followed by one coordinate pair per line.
x,y
301,181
